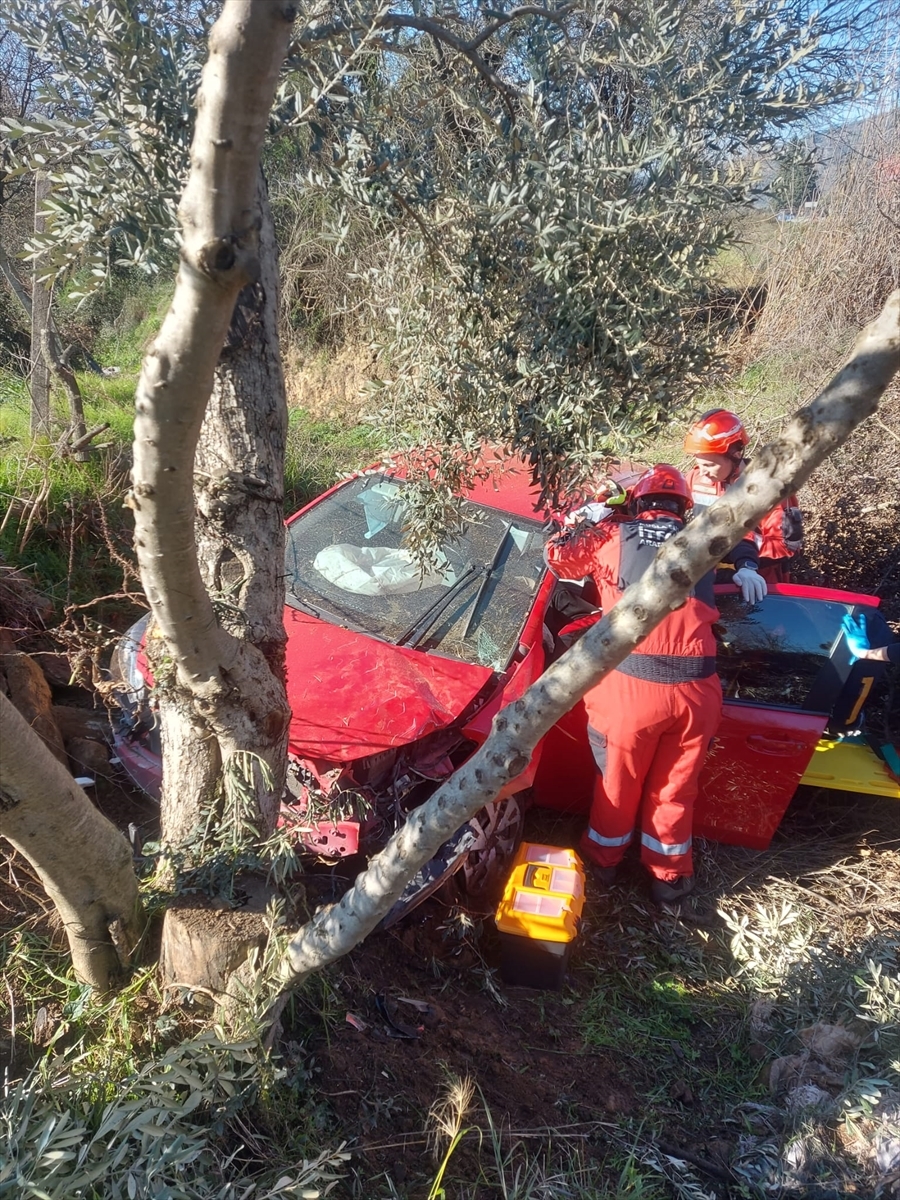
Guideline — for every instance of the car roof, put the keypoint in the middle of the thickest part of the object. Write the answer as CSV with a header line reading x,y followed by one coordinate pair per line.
x,y
507,487
510,489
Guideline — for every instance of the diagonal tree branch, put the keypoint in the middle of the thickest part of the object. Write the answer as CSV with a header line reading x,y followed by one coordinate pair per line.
x,y
315,35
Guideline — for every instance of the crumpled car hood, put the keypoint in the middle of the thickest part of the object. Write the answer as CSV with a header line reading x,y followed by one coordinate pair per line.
x,y
352,696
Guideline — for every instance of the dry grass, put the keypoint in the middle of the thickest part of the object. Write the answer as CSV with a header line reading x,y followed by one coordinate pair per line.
x,y
330,386
832,272
814,935
853,507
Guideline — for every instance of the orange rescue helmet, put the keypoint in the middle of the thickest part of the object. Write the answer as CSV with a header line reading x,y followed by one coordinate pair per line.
x,y
665,481
717,432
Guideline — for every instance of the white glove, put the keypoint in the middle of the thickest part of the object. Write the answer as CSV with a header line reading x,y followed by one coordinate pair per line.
x,y
753,586
592,513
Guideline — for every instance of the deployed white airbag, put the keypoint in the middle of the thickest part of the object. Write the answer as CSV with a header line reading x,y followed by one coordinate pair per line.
x,y
377,570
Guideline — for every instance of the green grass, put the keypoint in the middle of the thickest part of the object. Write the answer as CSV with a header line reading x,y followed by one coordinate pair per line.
x,y
79,505
637,1014
112,1036
124,340
57,514
319,452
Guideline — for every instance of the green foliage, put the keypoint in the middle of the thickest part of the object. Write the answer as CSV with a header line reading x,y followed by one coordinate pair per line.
x,y
797,178
544,246
115,147
319,452
159,1134
124,1102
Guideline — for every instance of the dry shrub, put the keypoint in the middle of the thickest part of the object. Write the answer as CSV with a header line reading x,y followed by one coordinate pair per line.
x,y
832,271
330,386
852,506
21,605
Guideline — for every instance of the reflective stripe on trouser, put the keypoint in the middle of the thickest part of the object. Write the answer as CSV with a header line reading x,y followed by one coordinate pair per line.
x,y
653,742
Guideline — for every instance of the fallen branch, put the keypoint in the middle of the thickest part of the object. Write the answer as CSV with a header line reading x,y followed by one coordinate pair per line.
x,y
702,1164
86,438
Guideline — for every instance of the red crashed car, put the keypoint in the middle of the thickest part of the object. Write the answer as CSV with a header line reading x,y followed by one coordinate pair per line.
x,y
393,681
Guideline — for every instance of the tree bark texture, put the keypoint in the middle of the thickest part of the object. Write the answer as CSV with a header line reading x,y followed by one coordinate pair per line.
x,y
40,322
222,685
64,373
83,861
779,469
204,945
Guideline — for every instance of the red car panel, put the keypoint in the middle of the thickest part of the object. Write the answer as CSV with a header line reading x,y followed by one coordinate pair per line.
x,y
752,771
352,696
565,777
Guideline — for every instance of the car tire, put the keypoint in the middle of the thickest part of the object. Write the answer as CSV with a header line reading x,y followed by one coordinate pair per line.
x,y
498,829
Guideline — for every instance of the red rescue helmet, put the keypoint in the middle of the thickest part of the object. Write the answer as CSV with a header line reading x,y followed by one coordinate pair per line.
x,y
662,482
717,432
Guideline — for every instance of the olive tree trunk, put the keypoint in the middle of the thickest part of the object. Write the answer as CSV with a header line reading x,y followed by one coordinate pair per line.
x,y
82,860
39,381
209,477
777,471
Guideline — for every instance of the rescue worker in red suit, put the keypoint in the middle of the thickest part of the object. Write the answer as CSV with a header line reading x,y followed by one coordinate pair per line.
x,y
718,442
651,720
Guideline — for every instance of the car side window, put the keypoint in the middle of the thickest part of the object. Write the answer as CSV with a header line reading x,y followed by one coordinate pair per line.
x,y
777,652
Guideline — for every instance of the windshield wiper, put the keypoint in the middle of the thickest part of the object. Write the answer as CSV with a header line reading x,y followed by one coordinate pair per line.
x,y
305,605
330,617
487,579
414,634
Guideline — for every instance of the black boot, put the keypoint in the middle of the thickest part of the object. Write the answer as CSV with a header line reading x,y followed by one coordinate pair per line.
x,y
671,893
602,877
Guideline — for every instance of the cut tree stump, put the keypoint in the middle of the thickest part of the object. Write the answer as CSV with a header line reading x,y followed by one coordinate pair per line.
x,y
204,944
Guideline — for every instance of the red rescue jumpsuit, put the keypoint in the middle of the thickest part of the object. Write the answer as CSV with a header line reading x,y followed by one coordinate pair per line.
x,y
778,533
650,721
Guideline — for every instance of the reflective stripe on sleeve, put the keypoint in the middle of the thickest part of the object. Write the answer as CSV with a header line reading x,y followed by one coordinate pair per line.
x,y
604,841
670,851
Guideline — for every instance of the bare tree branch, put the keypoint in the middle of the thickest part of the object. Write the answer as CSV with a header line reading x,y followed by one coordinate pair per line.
x,y
514,14
59,366
83,861
315,35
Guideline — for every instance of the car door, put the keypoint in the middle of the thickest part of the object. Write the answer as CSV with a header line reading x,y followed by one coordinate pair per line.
x,y
783,666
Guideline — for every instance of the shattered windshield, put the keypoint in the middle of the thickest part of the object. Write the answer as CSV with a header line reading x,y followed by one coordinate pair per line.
x,y
345,562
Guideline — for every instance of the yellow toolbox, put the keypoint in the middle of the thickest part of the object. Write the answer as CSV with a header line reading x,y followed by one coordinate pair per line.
x,y
539,915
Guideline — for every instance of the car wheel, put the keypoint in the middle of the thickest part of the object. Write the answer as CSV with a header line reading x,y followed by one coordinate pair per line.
x,y
498,832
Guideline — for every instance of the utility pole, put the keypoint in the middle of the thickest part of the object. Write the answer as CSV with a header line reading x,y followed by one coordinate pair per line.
x,y
40,323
